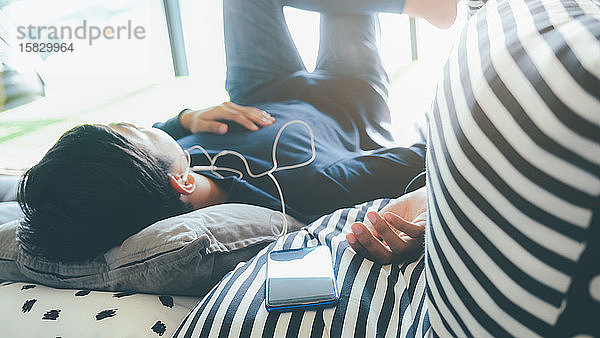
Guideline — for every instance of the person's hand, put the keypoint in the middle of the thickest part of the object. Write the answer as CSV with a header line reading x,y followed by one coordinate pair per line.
x,y
208,120
397,232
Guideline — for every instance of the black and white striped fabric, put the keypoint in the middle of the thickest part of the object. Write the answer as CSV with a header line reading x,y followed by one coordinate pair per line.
x,y
376,300
514,174
474,5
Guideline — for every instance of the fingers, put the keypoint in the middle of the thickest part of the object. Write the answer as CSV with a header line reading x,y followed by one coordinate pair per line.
x,y
249,117
227,113
213,127
260,117
207,120
409,228
368,245
392,246
356,246
391,237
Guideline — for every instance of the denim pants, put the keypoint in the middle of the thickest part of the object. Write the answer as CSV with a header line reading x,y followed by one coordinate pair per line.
x,y
261,57
260,49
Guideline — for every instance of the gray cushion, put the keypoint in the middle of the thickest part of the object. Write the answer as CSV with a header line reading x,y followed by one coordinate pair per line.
x,y
9,270
183,255
9,211
8,187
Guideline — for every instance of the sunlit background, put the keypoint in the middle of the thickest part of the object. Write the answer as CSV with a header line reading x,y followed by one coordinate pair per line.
x,y
133,80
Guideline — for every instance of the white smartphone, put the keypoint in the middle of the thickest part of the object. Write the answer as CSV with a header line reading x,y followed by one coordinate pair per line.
x,y
300,279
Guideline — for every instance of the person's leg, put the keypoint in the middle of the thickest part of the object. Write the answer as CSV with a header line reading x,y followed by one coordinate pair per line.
x,y
342,7
258,46
349,47
440,13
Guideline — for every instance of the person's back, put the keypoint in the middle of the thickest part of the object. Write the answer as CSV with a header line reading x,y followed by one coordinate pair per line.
x,y
514,174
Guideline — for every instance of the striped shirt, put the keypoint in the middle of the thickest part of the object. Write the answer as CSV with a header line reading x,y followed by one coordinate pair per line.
x,y
514,174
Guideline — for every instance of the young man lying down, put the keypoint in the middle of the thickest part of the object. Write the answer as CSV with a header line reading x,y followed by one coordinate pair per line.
x,y
100,184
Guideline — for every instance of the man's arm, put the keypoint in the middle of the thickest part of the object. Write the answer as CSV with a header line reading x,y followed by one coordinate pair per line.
x,y
173,127
210,120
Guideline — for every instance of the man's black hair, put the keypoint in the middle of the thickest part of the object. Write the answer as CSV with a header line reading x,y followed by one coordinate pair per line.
x,y
91,191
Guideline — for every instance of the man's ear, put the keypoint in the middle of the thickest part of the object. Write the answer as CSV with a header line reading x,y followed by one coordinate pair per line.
x,y
183,187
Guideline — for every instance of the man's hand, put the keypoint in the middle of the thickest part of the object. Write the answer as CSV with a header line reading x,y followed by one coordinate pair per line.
x,y
397,232
207,120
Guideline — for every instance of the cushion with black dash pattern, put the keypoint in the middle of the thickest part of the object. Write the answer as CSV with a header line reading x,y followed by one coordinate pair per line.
x,y
32,310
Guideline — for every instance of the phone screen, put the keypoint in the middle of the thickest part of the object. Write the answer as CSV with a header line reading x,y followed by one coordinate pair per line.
x,y
300,278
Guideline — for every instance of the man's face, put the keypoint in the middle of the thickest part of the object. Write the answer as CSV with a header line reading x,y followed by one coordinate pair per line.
x,y
159,143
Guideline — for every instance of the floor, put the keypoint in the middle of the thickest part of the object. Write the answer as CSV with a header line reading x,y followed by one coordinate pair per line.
x,y
28,131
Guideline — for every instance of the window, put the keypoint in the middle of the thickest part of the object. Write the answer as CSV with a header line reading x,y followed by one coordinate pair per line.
x,y
104,80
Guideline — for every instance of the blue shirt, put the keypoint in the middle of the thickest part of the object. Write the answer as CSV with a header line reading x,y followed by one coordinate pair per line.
x,y
350,165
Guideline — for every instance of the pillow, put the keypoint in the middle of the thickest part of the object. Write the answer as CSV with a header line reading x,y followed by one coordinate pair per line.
x,y
8,187
185,255
9,251
375,300
30,310
9,211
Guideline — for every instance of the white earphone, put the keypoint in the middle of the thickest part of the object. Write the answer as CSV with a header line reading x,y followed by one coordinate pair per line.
x,y
213,168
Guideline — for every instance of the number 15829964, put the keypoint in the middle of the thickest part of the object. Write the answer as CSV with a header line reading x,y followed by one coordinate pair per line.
x,y
46,47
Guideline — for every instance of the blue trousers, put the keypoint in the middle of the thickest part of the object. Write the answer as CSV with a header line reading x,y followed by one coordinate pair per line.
x,y
260,50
